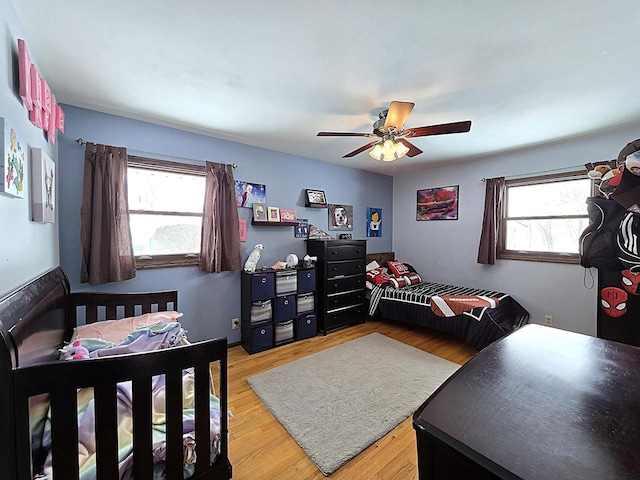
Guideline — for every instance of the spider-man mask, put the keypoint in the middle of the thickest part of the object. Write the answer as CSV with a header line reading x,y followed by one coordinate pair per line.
x,y
630,281
613,301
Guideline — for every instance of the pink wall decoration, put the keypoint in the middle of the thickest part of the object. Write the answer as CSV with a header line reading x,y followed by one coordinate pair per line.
x,y
24,71
36,95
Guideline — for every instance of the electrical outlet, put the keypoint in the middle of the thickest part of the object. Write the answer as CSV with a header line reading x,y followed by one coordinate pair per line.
x,y
235,323
548,320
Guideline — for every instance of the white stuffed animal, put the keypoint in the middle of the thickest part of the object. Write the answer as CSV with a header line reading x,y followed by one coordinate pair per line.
x,y
252,262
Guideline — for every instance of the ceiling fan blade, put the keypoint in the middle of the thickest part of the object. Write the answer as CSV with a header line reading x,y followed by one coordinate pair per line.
x,y
360,150
455,127
397,115
413,150
343,134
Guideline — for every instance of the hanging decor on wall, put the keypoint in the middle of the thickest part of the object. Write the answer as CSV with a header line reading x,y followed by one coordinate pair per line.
x,y
44,112
13,165
437,203
374,222
248,193
340,217
43,191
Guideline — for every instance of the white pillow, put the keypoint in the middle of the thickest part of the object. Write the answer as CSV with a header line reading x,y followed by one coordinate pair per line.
x,y
372,265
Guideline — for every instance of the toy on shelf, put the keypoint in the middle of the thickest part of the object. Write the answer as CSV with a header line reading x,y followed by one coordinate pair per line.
x,y
252,262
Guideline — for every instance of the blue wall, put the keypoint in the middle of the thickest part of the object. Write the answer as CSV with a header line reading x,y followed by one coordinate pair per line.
x,y
210,301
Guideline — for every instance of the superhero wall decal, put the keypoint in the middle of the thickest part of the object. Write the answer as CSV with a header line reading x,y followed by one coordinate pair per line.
x,y
614,300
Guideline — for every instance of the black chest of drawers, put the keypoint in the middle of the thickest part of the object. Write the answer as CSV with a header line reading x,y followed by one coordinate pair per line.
x,y
341,282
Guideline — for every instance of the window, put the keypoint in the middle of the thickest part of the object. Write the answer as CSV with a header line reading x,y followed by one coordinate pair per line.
x,y
165,211
543,218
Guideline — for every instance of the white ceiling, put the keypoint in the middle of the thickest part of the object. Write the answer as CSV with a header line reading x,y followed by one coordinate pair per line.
x,y
274,73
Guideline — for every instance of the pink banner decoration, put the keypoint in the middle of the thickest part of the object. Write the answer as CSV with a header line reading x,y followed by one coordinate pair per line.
x,y
24,72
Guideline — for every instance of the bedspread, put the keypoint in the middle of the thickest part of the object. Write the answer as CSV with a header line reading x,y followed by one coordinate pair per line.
x,y
163,337
478,326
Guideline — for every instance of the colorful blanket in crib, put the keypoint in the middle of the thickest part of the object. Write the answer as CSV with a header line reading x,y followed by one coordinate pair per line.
x,y
143,339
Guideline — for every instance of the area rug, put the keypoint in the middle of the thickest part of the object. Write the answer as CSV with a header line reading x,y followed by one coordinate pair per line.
x,y
337,402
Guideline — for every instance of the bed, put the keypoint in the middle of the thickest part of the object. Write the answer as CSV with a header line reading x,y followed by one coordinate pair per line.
x,y
150,413
416,303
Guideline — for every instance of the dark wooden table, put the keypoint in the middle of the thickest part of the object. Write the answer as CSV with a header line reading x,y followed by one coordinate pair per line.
x,y
541,403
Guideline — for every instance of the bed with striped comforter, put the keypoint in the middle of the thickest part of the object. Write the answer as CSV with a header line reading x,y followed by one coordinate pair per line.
x,y
477,326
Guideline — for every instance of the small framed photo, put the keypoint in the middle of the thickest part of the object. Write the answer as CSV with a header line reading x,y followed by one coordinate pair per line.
x,y
288,215
273,214
316,198
259,212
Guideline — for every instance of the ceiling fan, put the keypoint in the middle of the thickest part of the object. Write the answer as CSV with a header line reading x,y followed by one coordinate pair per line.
x,y
391,137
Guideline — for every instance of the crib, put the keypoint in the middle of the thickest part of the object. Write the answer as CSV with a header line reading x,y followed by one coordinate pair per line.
x,y
40,390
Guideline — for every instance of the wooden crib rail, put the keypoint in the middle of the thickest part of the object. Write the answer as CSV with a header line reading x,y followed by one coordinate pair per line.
x,y
131,304
62,379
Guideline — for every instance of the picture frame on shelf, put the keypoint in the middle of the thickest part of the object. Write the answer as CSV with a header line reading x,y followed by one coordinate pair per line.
x,y
273,213
259,212
316,198
288,215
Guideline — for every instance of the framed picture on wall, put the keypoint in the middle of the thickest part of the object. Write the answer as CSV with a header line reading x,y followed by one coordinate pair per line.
x,y
374,222
248,193
437,203
43,187
13,164
340,217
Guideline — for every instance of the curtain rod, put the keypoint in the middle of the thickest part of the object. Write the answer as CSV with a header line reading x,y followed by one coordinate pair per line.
x,y
543,172
82,141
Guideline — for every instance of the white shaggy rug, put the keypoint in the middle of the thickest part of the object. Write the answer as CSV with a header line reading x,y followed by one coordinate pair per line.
x,y
337,402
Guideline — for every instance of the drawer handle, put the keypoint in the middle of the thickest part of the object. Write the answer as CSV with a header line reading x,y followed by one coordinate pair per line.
x,y
263,331
264,280
286,302
309,275
308,321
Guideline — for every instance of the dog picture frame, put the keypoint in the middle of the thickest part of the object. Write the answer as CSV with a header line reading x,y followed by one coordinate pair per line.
x,y
316,198
340,217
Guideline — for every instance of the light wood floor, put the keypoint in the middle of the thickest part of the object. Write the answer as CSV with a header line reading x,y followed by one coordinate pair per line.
x,y
261,449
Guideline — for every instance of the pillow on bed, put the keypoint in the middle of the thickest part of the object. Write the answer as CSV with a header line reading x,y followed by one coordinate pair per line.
x,y
116,331
409,279
377,276
372,265
398,269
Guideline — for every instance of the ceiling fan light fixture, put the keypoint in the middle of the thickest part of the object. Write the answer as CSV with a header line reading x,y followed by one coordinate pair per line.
x,y
376,152
401,149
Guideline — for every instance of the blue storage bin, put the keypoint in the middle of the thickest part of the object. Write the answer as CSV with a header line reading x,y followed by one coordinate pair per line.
x,y
306,327
306,280
285,307
262,286
261,338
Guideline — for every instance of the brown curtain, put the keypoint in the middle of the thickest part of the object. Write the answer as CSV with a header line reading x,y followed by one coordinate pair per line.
x,y
105,236
220,248
493,200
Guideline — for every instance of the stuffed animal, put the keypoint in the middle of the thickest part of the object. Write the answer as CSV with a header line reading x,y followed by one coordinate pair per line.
x,y
252,262
76,351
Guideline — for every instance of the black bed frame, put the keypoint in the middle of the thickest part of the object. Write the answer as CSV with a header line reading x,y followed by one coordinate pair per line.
x,y
35,320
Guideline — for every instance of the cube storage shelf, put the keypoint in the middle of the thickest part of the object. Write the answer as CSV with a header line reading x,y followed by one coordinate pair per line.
x,y
278,307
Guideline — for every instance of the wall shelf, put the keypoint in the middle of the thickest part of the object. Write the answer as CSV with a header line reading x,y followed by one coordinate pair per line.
x,y
274,224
